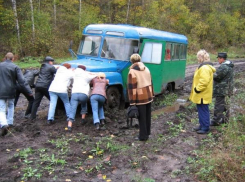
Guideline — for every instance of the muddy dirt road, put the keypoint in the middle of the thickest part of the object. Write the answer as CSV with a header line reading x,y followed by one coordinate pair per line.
x,y
35,151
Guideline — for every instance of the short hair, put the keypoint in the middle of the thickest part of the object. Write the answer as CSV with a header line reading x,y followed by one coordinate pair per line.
x,y
67,65
135,58
82,67
203,56
101,75
9,56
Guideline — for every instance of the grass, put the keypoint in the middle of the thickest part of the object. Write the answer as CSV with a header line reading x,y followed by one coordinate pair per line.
x,y
35,62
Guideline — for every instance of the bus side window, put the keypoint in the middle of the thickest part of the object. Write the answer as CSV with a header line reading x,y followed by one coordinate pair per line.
x,y
168,52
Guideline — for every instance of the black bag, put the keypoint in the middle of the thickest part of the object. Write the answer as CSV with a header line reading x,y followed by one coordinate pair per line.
x,y
132,112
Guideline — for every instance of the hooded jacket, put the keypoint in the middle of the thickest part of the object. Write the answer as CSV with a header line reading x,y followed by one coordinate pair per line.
x,y
61,80
10,74
223,79
140,88
202,86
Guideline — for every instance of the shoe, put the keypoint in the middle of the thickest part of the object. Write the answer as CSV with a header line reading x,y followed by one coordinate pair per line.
x,y
203,131
102,122
83,121
213,123
97,126
69,129
4,130
27,116
197,128
140,139
11,125
49,122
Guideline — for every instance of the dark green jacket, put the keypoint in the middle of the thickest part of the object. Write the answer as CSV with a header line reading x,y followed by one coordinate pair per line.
x,y
223,79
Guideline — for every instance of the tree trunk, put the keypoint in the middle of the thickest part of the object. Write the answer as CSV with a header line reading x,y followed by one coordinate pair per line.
x,y
17,23
128,11
80,14
32,19
54,13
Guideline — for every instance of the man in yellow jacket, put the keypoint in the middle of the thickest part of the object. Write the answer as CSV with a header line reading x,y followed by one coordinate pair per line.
x,y
202,90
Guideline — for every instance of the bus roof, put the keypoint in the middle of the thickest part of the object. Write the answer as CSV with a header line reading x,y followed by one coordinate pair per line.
x,y
135,32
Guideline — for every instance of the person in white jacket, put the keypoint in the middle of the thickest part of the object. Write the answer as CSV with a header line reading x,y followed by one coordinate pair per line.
x,y
58,88
80,93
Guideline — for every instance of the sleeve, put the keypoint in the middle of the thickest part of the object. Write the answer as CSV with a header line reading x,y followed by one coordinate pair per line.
x,y
132,88
221,73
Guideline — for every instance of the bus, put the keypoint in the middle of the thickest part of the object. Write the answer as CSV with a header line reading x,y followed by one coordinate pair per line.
x,y
107,48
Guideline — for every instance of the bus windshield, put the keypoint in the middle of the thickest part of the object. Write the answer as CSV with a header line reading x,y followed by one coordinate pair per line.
x,y
118,48
89,45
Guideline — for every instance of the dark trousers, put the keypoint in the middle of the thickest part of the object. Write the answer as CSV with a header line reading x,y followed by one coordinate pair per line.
x,y
220,108
203,116
28,97
144,121
39,93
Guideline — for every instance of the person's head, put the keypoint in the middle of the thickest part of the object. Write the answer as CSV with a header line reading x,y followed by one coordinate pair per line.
x,y
135,58
101,75
49,60
203,56
9,56
222,57
82,67
67,65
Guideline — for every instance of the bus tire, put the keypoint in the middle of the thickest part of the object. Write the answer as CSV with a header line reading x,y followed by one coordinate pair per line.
x,y
113,97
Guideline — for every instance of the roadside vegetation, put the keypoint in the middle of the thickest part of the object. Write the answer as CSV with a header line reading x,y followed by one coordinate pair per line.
x,y
222,154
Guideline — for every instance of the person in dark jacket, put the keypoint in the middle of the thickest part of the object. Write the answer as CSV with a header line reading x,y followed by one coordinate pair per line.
x,y
223,89
45,77
10,74
29,76
141,93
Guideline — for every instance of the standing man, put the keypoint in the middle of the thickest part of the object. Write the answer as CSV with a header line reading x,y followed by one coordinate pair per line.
x,y
10,74
223,89
46,76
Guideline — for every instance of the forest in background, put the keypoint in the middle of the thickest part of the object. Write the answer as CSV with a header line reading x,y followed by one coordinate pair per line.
x,y
45,27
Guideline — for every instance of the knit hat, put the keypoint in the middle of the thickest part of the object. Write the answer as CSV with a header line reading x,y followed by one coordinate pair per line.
x,y
48,58
67,65
82,67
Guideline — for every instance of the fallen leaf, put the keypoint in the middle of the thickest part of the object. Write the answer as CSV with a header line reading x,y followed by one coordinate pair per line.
x,y
68,180
107,158
144,157
81,168
66,128
90,156
104,177
84,152
184,131
7,150
17,150
108,180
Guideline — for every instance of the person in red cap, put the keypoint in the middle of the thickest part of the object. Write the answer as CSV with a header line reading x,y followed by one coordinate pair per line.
x,y
58,89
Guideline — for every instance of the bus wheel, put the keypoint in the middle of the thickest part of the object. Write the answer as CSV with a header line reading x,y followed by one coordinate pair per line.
x,y
170,88
113,97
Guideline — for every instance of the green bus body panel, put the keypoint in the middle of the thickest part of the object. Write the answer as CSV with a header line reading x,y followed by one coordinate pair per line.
x,y
163,73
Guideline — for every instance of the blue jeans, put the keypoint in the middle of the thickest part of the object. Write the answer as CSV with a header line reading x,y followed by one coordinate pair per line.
x,y
53,102
76,98
9,119
204,116
97,103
